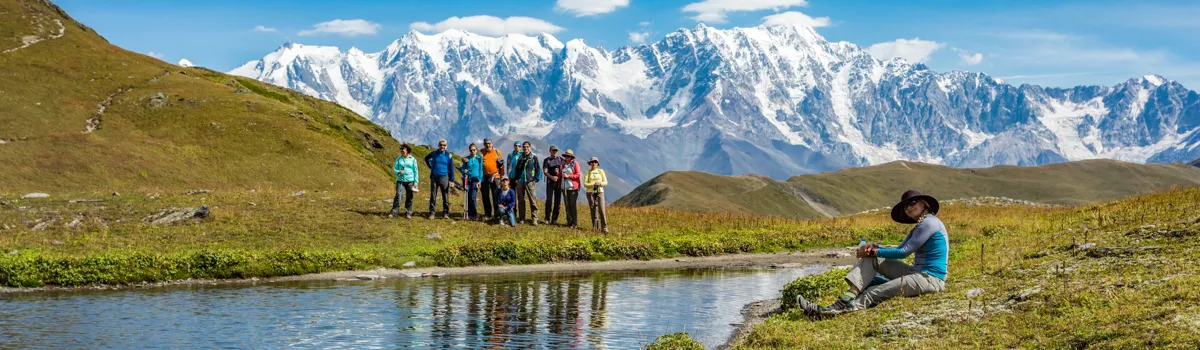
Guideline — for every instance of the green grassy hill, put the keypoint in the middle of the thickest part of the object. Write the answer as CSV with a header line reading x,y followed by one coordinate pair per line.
x,y
854,190
78,114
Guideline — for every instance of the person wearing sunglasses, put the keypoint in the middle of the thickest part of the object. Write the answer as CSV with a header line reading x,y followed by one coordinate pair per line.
x,y
929,243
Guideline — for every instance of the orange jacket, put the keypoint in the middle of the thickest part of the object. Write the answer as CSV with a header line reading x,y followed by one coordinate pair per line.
x,y
492,162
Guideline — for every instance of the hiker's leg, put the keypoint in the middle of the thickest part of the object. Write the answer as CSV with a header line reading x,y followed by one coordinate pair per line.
x,y
591,198
432,193
472,191
558,197
486,188
520,201
603,215
864,271
446,195
396,199
408,197
531,193
549,201
572,207
909,285
510,216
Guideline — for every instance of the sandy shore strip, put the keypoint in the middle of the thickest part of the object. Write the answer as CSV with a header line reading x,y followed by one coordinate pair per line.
x,y
828,256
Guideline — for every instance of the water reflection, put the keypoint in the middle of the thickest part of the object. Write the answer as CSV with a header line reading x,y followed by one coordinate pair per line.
x,y
617,310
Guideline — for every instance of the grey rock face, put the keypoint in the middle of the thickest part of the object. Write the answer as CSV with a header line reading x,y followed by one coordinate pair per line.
x,y
777,101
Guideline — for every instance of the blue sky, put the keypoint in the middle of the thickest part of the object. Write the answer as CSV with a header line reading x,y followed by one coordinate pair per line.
x,y
1060,43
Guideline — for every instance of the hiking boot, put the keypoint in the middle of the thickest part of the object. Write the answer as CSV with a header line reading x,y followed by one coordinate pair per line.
x,y
811,310
408,216
535,222
816,312
447,216
431,216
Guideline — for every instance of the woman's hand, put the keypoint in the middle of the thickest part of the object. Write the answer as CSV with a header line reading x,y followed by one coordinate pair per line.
x,y
864,251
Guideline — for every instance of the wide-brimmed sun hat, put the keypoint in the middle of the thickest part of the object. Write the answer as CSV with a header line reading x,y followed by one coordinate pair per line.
x,y
569,153
594,159
898,214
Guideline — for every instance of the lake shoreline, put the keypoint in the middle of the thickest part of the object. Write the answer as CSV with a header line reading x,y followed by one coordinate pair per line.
x,y
810,257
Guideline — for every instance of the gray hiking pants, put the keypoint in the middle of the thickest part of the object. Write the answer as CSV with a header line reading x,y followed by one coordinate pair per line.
x,y
903,279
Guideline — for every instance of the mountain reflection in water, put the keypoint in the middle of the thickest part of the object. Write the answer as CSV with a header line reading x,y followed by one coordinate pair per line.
x,y
601,309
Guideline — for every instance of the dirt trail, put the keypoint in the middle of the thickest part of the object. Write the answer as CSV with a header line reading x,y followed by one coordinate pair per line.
x,y
29,40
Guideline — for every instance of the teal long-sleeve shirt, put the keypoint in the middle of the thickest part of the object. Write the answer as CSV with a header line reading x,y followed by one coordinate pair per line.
x,y
929,242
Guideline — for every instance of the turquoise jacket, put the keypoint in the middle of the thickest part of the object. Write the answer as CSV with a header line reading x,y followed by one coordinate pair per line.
x,y
409,165
472,169
511,164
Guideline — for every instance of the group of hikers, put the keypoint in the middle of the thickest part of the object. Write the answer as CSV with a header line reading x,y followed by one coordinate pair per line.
x,y
508,185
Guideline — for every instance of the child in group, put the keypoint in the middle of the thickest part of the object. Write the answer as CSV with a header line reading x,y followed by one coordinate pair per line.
x,y
507,203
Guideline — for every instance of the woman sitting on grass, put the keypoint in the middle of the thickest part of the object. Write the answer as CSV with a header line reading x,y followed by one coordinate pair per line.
x,y
928,275
507,203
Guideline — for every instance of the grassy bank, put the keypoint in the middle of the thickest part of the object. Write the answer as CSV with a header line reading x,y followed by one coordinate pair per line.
x,y
1040,286
104,240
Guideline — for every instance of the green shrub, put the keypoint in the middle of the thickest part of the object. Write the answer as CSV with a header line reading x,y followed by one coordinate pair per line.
x,y
820,288
676,341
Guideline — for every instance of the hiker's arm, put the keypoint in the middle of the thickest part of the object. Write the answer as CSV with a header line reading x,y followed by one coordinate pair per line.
x,y
450,166
538,165
397,168
915,240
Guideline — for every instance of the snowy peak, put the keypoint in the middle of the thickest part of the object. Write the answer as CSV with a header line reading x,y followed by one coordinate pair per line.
x,y
767,92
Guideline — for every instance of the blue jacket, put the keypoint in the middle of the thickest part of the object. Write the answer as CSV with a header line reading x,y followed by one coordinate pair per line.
x,y
440,164
472,169
529,172
929,242
409,165
508,199
509,163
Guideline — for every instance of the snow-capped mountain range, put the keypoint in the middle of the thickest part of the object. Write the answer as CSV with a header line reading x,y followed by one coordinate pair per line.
x,y
777,101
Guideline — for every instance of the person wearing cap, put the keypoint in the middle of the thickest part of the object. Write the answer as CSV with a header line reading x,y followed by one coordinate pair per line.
x,y
594,181
570,188
929,243
506,203
441,175
493,170
552,168
472,174
527,173
406,180
511,161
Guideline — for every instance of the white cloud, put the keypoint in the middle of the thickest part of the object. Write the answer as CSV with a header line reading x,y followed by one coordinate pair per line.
x,y
968,58
913,50
157,55
264,29
638,37
347,27
795,18
644,23
581,8
714,11
183,62
490,25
